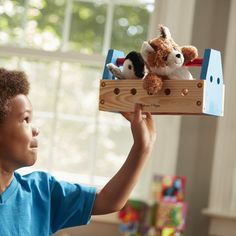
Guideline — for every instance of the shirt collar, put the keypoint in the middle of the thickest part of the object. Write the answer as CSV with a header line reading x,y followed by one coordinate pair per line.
x,y
9,191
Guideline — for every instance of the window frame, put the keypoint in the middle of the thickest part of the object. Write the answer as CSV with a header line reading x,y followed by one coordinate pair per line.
x,y
63,55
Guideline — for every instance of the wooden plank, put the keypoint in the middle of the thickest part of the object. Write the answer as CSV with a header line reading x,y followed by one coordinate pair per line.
x,y
176,97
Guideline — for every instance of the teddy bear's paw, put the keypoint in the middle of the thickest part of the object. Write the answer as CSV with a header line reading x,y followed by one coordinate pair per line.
x,y
152,83
189,52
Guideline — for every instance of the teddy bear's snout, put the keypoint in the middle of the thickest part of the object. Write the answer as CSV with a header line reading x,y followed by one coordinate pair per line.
x,y
175,59
178,55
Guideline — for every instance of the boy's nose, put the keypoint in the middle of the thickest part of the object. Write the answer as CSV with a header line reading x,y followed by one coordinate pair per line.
x,y
35,131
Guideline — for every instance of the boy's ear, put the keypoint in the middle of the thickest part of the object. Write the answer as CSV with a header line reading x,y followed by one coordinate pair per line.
x,y
0,134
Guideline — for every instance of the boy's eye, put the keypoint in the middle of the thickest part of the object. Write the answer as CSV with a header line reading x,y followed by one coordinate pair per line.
x,y
26,120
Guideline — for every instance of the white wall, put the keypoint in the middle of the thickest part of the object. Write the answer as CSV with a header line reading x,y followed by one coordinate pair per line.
x,y
187,144
222,201
198,134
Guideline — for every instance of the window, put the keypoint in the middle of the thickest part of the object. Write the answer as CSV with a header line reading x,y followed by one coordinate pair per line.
x,y
61,45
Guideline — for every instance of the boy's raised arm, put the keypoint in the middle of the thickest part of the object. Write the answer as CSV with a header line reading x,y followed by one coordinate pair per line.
x,y
115,193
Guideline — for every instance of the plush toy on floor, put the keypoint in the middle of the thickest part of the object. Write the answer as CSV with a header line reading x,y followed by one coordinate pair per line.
x,y
133,67
165,59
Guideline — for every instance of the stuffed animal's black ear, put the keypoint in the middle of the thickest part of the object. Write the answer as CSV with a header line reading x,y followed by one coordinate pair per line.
x,y
138,63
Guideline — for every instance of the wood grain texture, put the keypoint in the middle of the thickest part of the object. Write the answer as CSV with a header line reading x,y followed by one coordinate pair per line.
x,y
176,96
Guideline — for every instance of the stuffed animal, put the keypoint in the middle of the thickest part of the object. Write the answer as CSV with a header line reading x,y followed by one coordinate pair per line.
x,y
164,59
133,67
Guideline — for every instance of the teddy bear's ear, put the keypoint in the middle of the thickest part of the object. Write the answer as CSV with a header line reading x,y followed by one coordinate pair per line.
x,y
189,53
146,49
165,32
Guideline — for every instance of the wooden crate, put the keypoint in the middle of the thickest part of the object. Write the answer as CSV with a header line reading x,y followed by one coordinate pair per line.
x,y
204,96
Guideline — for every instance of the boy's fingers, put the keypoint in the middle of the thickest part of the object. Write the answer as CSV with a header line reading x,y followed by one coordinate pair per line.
x,y
138,107
127,115
137,114
150,121
149,115
138,111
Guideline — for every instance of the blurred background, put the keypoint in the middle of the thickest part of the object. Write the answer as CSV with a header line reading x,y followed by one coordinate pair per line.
x,y
62,45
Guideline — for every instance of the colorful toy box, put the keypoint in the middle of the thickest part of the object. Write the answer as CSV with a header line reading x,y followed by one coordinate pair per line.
x,y
171,215
165,217
135,218
168,188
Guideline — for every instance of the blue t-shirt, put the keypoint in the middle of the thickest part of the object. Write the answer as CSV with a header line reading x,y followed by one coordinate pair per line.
x,y
38,205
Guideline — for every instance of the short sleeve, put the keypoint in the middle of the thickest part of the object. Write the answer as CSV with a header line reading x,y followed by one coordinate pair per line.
x,y
71,204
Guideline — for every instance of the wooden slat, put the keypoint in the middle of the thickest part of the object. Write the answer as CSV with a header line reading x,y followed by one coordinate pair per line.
x,y
185,97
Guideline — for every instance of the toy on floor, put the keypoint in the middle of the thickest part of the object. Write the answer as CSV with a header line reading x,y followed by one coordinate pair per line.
x,y
134,217
165,216
169,232
171,215
168,188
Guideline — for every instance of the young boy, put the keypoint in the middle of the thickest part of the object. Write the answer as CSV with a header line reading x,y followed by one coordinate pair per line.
x,y
37,204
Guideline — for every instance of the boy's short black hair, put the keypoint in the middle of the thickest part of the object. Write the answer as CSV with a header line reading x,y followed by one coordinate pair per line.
x,y
12,83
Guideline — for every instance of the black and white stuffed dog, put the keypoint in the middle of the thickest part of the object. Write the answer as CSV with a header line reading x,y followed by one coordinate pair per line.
x,y
133,67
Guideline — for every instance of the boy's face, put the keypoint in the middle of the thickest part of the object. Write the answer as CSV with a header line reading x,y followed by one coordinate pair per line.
x,y
18,145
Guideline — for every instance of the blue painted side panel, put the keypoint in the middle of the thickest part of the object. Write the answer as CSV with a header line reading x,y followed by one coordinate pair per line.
x,y
112,55
214,90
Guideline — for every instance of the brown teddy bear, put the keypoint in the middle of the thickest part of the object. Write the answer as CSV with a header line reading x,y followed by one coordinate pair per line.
x,y
164,59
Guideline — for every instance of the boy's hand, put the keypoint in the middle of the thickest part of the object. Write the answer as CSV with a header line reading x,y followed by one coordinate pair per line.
x,y
143,128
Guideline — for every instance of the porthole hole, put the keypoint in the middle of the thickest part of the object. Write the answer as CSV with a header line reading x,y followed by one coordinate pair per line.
x,y
116,91
133,91
167,91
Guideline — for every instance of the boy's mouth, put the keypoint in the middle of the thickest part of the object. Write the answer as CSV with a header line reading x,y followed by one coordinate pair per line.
x,y
34,144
